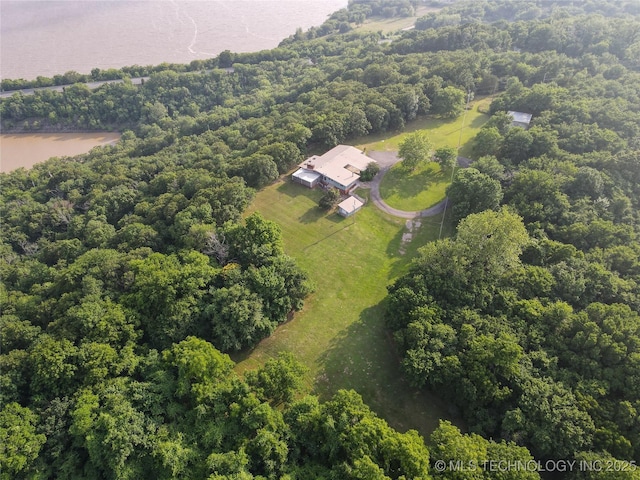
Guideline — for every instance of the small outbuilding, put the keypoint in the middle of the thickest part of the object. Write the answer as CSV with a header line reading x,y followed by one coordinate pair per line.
x,y
520,119
308,178
348,207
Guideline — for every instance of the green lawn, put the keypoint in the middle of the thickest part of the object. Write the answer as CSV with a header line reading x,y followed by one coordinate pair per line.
x,y
417,190
426,186
387,25
340,333
442,131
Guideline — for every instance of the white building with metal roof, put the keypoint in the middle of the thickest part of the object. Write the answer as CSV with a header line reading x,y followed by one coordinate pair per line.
x,y
340,167
520,119
348,207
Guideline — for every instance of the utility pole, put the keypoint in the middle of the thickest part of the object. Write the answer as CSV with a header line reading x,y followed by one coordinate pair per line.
x,y
446,202
354,211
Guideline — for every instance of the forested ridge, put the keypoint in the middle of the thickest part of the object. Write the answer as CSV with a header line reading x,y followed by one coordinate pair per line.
x,y
128,270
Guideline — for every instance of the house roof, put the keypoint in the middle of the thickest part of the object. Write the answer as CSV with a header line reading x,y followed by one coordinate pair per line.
x,y
342,164
350,205
520,117
306,175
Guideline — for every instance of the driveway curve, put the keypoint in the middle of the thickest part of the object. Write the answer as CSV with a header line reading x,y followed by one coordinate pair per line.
x,y
386,160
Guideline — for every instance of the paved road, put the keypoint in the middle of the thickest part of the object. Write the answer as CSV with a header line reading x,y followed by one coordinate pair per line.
x,y
90,85
388,159
60,88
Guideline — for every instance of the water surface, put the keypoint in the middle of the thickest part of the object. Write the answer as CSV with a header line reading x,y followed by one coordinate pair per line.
x,y
45,38
27,149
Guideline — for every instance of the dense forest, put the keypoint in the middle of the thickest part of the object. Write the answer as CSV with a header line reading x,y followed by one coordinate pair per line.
x,y
129,272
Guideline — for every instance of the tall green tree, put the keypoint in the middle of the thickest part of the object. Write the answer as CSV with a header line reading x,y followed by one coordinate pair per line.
x,y
487,142
477,457
235,317
20,444
448,102
473,192
166,294
447,157
329,199
257,242
200,368
414,149
493,240
279,379
516,146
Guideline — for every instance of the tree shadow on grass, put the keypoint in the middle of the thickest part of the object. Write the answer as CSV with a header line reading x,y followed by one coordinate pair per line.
x,y
397,251
363,357
293,190
241,355
312,215
429,122
316,213
408,185
430,229
319,241
479,121
394,246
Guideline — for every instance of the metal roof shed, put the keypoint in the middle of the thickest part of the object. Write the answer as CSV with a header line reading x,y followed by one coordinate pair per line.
x,y
348,207
520,119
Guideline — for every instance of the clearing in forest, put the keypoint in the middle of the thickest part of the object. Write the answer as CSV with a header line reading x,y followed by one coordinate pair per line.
x,y
340,334
426,185
394,24
442,131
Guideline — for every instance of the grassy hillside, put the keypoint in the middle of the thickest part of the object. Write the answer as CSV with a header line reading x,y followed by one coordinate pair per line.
x,y
388,25
441,131
340,334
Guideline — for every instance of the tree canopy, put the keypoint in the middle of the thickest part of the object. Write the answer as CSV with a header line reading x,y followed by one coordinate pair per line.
x,y
129,271
414,149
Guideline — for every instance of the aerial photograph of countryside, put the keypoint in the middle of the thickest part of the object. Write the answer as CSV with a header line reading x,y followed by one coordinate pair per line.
x,y
320,239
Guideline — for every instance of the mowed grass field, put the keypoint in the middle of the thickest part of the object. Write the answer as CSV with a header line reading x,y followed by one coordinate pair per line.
x,y
388,25
340,334
417,190
442,131
426,185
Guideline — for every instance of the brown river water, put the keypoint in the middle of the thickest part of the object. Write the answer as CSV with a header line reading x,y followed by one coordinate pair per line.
x,y
49,37
27,149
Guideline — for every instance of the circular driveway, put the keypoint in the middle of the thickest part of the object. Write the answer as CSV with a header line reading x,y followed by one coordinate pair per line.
x,y
386,160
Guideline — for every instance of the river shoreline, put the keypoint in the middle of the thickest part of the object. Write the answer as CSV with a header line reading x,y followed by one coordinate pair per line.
x,y
49,38
56,36
52,129
24,150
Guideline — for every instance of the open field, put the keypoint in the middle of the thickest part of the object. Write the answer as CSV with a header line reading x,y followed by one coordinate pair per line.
x,y
426,186
442,131
387,25
340,333
417,190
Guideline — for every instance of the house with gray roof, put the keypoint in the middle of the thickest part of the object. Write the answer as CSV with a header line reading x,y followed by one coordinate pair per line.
x,y
340,167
